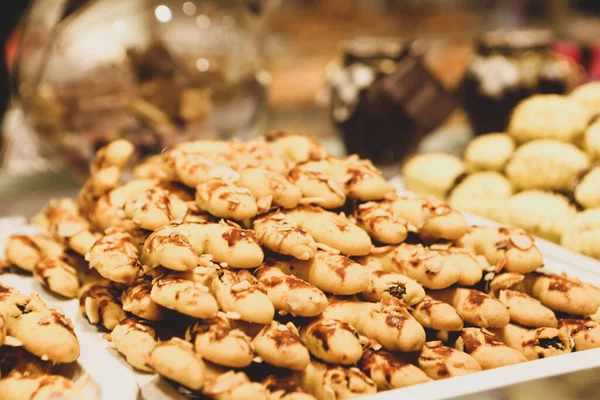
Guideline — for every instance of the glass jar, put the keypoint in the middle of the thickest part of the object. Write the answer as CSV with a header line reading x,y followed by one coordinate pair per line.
x,y
155,73
509,66
384,100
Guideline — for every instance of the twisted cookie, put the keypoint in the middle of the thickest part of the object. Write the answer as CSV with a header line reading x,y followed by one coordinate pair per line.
x,y
179,246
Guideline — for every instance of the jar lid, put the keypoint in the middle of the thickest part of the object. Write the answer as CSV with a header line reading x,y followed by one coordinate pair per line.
x,y
510,40
370,49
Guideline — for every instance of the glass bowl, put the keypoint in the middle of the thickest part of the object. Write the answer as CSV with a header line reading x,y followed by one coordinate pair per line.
x,y
153,72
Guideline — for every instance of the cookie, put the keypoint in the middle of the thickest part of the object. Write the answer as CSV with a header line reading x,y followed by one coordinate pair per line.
x,y
432,174
587,192
489,152
482,193
38,387
281,234
290,294
295,148
331,273
513,250
332,340
546,165
588,95
474,307
433,269
42,331
226,200
221,384
134,339
585,333
435,314
547,117
388,322
155,208
16,361
525,310
137,299
535,343
281,347
101,305
384,284
442,362
58,276
388,371
432,219
237,292
176,359
336,382
184,296
283,386
582,234
487,349
558,293
331,229
115,256
27,251
591,141
544,214
380,223
180,247
218,340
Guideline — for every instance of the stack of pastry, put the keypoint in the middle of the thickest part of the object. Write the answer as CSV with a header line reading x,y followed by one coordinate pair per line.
x,y
270,269
543,175
33,339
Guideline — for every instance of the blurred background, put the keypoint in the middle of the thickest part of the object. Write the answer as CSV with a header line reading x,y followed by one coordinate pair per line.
x,y
381,78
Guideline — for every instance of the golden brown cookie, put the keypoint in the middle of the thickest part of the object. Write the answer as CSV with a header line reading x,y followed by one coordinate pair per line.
x,y
582,234
588,95
442,362
587,191
544,214
474,307
535,343
482,193
332,340
489,152
487,349
547,117
591,141
432,174
546,164
389,371
388,322
335,382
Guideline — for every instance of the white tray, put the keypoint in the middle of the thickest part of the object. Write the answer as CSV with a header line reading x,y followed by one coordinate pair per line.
x,y
117,380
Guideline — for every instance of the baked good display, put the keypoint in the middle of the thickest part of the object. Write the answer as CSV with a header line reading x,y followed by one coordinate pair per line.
x,y
33,339
312,279
542,175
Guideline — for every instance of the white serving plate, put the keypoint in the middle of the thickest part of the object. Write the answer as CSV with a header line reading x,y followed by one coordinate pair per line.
x,y
116,380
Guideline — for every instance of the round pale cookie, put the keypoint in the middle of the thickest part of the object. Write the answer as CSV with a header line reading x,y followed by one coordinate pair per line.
x,y
547,117
591,140
482,193
583,233
541,213
489,152
588,96
432,173
546,164
587,192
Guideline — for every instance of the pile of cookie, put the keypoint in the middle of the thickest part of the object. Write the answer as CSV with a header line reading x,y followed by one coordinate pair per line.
x,y
270,269
34,338
543,175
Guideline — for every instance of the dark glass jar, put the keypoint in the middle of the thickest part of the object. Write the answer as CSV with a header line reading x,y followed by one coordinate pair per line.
x,y
509,66
384,100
